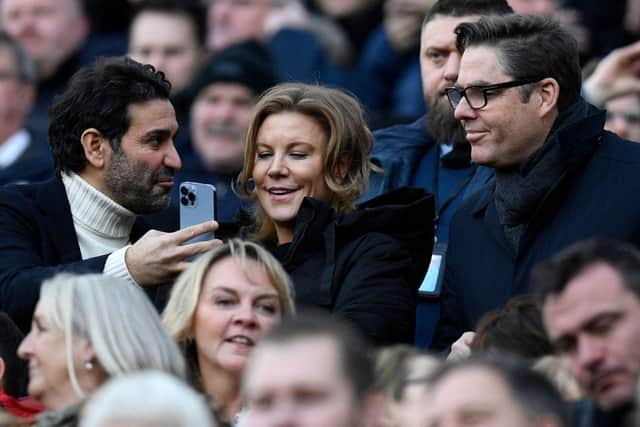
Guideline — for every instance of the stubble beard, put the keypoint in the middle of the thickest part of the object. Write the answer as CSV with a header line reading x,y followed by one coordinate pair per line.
x,y
133,185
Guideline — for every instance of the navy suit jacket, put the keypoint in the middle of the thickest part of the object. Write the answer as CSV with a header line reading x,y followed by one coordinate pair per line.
x,y
38,240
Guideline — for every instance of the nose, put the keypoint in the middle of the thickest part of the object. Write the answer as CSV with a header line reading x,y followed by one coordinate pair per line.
x,y
452,68
463,111
245,316
25,350
158,60
172,158
589,353
282,414
223,112
278,167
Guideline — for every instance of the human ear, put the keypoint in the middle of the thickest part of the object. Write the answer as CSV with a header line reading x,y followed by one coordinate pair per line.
x,y
549,92
96,147
2,368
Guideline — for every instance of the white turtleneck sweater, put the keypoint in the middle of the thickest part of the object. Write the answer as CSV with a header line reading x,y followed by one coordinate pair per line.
x,y
102,226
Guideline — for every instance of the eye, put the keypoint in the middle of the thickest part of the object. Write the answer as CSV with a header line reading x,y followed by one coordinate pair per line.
x,y
261,403
268,308
298,155
263,154
310,396
566,346
224,302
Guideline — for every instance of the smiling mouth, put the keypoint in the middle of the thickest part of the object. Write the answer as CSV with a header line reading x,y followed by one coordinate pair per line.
x,y
241,340
281,192
474,135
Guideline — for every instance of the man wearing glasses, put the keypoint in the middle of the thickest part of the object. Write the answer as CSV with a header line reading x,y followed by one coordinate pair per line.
x,y
432,152
559,176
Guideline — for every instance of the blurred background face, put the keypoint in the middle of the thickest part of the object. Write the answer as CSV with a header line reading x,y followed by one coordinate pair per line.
x,y
50,30
623,116
475,396
342,8
439,66
44,348
169,43
236,308
16,96
234,21
219,120
596,329
299,383
413,409
533,7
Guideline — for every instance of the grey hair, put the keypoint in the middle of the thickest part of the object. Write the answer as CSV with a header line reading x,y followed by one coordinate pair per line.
x,y
118,320
25,68
149,398
179,312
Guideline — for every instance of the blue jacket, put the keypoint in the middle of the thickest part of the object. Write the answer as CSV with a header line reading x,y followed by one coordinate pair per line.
x,y
599,197
38,240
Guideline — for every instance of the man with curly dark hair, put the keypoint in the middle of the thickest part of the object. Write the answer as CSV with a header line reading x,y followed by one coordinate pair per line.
x,y
111,136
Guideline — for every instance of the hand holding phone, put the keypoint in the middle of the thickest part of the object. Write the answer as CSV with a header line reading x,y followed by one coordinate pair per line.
x,y
197,205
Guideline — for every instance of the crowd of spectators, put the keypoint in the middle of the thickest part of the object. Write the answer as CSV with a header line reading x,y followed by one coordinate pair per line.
x,y
424,213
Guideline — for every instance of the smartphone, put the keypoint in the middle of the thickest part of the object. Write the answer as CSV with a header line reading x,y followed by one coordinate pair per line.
x,y
432,282
197,205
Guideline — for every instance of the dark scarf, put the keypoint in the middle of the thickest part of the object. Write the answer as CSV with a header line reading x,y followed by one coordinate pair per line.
x,y
520,191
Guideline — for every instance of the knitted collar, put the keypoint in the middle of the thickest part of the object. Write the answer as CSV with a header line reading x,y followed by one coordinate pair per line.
x,y
95,211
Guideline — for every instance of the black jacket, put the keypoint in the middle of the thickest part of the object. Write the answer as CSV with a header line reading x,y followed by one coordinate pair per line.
x,y
365,265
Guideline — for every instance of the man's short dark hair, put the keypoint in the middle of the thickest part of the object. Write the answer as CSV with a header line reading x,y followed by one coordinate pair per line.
x,y
459,8
16,373
24,66
98,96
534,394
193,10
551,277
515,329
529,46
353,350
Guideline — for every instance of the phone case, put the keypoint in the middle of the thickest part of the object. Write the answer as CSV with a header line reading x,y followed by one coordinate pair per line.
x,y
197,205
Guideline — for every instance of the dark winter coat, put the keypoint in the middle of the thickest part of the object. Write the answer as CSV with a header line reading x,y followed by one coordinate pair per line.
x,y
365,265
596,196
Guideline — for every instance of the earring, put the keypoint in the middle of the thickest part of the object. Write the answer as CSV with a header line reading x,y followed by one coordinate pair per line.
x,y
88,365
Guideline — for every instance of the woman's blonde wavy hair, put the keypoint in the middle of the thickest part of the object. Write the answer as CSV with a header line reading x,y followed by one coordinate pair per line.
x,y
349,143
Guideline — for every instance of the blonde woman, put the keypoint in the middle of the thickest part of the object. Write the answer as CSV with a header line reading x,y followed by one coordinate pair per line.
x,y
219,308
306,163
86,329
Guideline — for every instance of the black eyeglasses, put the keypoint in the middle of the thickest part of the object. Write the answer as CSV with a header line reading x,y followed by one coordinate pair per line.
x,y
476,95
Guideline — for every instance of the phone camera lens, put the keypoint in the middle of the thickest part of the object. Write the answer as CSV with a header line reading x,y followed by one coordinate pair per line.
x,y
184,190
191,197
184,201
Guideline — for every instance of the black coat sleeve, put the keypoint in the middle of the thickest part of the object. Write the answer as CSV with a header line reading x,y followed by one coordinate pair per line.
x,y
27,257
